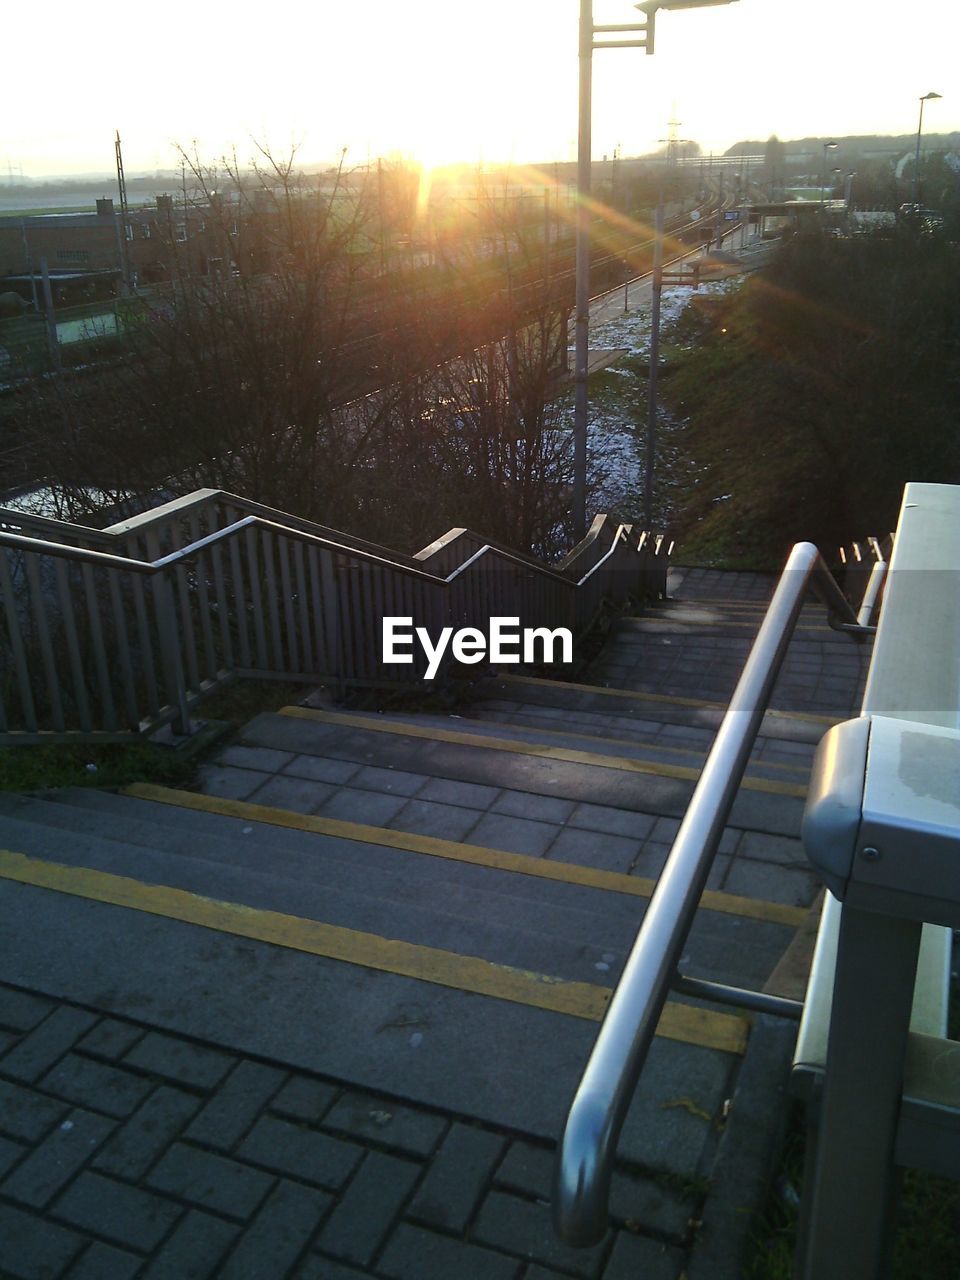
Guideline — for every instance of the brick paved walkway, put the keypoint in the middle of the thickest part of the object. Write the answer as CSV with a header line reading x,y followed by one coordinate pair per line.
x,y
126,1152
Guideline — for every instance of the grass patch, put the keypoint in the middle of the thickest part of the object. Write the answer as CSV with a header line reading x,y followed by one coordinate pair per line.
x,y
241,700
35,767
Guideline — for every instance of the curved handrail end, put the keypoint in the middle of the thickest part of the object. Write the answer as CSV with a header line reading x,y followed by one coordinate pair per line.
x,y
582,1172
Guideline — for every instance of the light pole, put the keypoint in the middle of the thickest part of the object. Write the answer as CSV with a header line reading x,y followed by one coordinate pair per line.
x,y
827,146
848,187
927,97
642,34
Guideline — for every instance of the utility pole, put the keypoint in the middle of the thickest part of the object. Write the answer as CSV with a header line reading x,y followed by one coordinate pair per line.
x,y
383,265
651,444
50,316
28,263
122,185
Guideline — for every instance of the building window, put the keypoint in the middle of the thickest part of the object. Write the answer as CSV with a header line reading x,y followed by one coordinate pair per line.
x,y
145,231
73,255
181,234
128,231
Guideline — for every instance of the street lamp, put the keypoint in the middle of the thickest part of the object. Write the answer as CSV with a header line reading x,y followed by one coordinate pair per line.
x,y
927,97
827,146
643,38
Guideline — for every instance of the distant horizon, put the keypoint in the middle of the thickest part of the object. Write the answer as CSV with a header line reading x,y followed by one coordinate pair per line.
x,y
17,181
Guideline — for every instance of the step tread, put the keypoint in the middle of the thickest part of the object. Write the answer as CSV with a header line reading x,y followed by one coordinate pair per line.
x,y
500,1063
597,742
595,783
566,929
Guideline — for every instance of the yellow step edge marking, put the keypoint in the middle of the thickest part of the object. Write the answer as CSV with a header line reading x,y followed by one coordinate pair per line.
x,y
370,951
638,695
496,859
702,625
541,750
804,770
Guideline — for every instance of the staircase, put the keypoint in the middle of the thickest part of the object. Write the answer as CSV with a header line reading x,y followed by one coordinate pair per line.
x,y
428,913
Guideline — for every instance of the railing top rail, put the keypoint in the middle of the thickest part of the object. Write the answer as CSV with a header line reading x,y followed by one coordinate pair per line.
x,y
599,1107
452,535
596,528
49,524
915,669
532,566
110,560
161,514
622,535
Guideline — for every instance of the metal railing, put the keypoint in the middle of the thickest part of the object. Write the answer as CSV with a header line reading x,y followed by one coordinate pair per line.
x,y
108,633
599,1107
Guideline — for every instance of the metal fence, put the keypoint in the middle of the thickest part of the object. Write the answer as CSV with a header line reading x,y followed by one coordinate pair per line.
x,y
110,633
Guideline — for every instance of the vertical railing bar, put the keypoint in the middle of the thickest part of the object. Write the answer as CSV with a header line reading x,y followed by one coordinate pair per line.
x,y
203,600
17,646
104,688
150,683
368,612
188,646
219,588
347,582
166,636
286,585
323,660
166,602
344,572
306,640
73,646
256,600
43,637
239,593
270,587
391,594
331,616
400,607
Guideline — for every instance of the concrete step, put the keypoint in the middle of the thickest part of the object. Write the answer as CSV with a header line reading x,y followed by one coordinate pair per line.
x,y
498,1061
591,778
564,928
573,730
562,942
735,625
660,716
823,672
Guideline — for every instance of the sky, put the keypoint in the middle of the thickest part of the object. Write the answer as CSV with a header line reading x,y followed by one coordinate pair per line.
x,y
444,80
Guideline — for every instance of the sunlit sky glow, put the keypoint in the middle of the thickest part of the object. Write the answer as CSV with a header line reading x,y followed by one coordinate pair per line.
x,y
446,80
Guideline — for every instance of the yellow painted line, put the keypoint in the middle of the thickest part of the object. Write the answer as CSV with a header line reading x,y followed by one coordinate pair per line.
x,y
567,755
477,855
639,696
804,770
716,601
705,626
367,950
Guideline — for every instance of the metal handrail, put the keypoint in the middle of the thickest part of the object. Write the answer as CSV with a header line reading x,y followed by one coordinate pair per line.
x,y
599,1107
106,559
262,516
